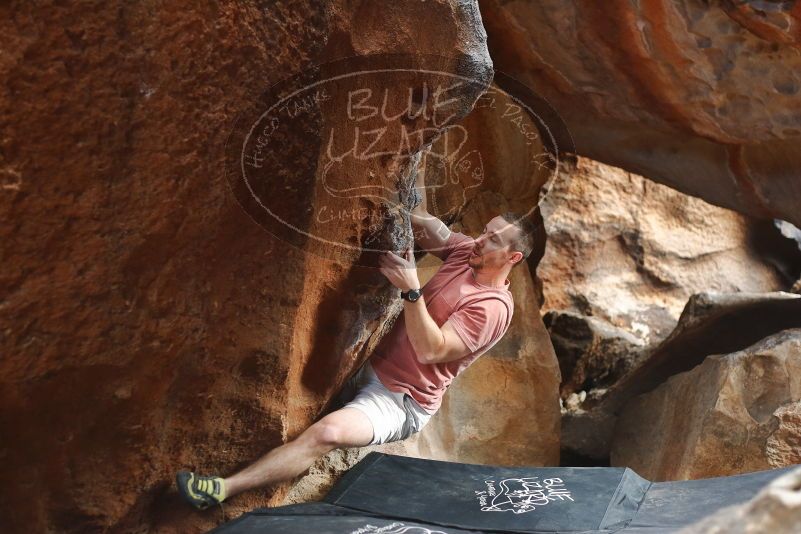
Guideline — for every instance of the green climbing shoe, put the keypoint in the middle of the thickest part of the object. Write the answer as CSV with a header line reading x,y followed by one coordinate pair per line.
x,y
200,492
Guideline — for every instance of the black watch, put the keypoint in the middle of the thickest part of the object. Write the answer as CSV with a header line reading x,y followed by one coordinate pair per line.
x,y
412,295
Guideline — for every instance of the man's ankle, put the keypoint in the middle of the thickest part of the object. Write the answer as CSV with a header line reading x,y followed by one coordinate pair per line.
x,y
231,487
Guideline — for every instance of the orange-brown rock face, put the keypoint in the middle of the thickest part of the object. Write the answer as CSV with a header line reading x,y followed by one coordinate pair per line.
x,y
702,96
148,323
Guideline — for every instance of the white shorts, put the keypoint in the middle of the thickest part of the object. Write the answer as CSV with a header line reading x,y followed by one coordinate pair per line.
x,y
394,416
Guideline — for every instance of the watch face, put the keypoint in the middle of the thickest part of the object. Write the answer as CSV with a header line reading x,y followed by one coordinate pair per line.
x,y
411,295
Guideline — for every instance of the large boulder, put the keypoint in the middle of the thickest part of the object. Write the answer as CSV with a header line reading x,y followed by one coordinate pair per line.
x,y
732,414
624,254
149,324
710,324
701,96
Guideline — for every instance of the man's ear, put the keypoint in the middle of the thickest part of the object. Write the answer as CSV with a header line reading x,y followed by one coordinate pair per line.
x,y
517,257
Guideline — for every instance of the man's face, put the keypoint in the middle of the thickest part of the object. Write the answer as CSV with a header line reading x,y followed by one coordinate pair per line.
x,y
493,247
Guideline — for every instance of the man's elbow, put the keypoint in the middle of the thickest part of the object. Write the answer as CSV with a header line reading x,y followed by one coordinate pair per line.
x,y
419,217
427,358
434,355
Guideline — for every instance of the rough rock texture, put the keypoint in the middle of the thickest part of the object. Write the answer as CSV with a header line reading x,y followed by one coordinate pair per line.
x,y
710,324
783,447
148,323
721,418
702,96
775,509
628,251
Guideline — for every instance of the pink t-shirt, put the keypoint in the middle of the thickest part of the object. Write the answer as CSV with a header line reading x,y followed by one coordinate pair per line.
x,y
479,314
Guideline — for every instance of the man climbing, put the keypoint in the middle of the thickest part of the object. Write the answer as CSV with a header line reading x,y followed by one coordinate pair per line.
x,y
461,313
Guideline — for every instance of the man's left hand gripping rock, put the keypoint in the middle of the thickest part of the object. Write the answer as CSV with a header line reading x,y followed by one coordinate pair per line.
x,y
401,271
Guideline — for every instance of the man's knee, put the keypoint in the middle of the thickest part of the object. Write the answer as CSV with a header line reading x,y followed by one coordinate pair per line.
x,y
326,434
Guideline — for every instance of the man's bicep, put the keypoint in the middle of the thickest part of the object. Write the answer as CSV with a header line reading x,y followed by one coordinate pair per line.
x,y
430,233
478,325
454,347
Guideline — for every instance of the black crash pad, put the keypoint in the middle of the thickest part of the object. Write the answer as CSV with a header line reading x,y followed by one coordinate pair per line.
x,y
387,494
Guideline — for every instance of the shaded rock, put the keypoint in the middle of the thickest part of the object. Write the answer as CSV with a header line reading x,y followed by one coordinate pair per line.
x,y
778,243
720,418
501,148
592,353
710,324
704,97
631,252
775,509
586,437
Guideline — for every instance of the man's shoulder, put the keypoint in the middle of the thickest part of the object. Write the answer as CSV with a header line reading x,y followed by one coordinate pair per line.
x,y
457,238
458,245
494,302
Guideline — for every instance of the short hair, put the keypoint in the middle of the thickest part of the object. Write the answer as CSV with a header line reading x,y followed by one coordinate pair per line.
x,y
524,243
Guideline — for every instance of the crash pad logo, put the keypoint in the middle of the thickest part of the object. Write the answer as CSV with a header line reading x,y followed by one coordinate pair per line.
x,y
328,159
395,528
521,495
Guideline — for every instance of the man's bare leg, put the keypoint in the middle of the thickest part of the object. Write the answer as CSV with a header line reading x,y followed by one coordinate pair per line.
x,y
346,427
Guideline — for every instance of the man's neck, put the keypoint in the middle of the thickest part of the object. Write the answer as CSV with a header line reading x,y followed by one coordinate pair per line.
x,y
497,279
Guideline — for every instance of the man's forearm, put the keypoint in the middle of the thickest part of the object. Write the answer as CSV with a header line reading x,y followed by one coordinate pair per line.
x,y
420,186
430,233
425,336
419,213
